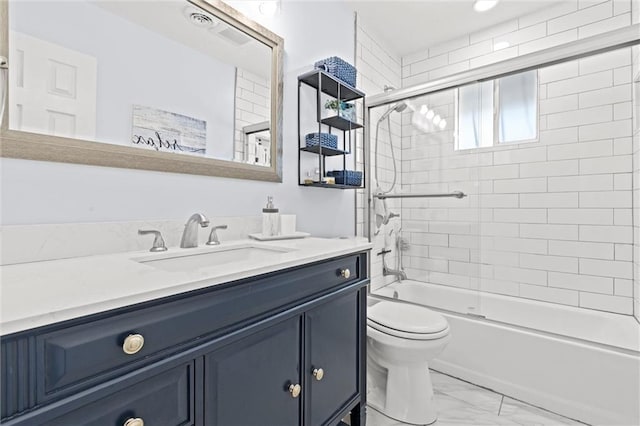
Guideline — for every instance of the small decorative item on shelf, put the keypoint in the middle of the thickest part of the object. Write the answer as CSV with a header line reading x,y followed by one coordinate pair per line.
x,y
326,140
347,177
342,109
338,68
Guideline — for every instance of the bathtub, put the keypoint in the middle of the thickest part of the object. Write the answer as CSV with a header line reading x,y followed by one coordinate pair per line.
x,y
580,363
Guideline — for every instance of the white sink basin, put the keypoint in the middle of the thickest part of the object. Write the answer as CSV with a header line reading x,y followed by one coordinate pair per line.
x,y
182,262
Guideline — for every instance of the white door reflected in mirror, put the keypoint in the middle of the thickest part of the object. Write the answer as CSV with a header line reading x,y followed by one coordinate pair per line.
x,y
52,89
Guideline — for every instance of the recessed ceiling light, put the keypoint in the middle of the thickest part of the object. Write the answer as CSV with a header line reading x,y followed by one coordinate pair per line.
x,y
424,109
268,8
501,45
430,114
436,119
442,124
484,5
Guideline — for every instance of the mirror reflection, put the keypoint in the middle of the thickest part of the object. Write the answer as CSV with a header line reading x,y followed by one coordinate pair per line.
x,y
167,76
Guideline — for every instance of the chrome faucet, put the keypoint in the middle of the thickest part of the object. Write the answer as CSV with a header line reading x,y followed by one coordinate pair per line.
x,y
388,271
158,241
190,234
390,216
397,272
213,236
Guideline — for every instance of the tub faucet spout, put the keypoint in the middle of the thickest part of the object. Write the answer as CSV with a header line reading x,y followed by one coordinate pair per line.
x,y
397,272
190,234
388,271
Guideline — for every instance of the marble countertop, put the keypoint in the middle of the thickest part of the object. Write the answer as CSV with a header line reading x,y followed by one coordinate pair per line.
x,y
40,293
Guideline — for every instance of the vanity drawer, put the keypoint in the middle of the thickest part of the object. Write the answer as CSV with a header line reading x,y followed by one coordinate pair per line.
x,y
76,357
164,399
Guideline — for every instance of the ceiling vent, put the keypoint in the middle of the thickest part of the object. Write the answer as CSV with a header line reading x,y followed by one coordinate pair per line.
x,y
200,18
234,36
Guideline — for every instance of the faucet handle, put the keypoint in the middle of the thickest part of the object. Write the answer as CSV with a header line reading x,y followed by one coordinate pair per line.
x,y
213,236
158,241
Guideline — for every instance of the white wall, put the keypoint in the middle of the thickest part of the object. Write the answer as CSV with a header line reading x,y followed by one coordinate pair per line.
x,y
43,192
377,67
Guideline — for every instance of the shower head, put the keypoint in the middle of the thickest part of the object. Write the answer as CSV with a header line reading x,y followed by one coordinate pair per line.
x,y
399,107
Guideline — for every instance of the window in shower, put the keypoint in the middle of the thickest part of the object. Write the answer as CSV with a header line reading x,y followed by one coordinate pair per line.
x,y
498,111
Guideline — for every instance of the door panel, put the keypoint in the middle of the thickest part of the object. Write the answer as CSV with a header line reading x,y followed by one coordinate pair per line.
x,y
331,333
53,89
246,382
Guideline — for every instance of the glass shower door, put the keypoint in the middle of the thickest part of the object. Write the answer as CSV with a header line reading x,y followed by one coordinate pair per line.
x,y
435,239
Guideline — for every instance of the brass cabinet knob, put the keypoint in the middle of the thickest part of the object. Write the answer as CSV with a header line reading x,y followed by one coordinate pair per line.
x,y
318,373
132,345
134,422
294,390
345,273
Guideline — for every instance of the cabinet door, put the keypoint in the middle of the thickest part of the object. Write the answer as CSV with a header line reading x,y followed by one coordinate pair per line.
x,y
247,382
331,339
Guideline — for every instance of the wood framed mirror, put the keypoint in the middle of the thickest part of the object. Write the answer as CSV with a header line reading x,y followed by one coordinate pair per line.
x,y
177,86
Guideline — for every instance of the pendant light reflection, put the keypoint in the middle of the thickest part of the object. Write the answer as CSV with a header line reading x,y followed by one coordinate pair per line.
x,y
427,120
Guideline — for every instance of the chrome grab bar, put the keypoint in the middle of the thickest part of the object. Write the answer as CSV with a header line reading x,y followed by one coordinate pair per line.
x,y
455,194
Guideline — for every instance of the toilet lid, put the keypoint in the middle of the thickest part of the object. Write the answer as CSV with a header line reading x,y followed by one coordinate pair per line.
x,y
406,318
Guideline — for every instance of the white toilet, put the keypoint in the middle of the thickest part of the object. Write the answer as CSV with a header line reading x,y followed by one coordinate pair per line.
x,y
401,341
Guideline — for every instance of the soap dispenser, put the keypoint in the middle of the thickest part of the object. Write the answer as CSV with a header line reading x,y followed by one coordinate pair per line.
x,y
270,219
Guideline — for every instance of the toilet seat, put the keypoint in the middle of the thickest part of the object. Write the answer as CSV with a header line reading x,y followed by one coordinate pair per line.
x,y
407,321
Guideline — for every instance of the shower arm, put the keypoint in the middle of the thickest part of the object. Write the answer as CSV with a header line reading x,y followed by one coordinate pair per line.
x,y
455,194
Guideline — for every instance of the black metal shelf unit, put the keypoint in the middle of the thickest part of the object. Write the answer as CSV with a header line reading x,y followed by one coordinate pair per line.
x,y
326,83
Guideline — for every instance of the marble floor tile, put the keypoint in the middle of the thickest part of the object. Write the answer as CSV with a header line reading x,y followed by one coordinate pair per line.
x,y
528,415
460,403
467,392
374,418
453,411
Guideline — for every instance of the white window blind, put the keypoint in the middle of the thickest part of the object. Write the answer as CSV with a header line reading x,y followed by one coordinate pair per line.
x,y
498,111
518,101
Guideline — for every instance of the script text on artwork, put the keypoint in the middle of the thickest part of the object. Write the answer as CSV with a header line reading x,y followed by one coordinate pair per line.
x,y
157,142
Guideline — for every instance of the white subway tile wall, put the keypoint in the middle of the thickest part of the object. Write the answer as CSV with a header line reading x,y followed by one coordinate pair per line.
x,y
377,68
629,288
549,220
253,97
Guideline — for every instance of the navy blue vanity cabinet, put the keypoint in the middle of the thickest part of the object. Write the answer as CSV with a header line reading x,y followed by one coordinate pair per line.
x,y
164,399
284,348
252,382
270,378
331,358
